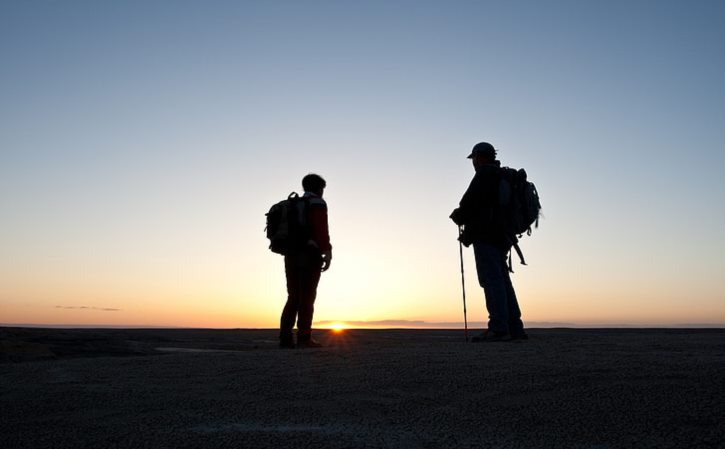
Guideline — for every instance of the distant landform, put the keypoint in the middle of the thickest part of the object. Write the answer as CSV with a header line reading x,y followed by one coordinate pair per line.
x,y
399,324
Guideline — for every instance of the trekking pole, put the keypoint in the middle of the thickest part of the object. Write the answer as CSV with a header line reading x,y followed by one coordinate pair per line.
x,y
463,283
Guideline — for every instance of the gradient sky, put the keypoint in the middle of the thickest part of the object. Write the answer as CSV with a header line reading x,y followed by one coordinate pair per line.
x,y
142,142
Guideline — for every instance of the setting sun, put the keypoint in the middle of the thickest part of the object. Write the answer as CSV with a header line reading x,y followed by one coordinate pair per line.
x,y
337,328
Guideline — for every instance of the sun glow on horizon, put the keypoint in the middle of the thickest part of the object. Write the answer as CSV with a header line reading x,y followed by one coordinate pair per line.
x,y
338,328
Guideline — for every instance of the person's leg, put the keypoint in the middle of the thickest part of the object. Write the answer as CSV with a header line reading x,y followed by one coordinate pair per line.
x,y
310,279
492,275
516,326
289,313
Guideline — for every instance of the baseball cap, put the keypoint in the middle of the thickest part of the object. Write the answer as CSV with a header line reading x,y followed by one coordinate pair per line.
x,y
484,149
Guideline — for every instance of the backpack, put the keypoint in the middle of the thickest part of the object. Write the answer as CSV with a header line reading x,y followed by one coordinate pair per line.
x,y
287,227
519,207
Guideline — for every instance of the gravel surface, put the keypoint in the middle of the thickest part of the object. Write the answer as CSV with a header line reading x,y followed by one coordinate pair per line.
x,y
562,388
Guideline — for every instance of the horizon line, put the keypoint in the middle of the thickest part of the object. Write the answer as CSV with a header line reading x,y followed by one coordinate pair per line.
x,y
388,324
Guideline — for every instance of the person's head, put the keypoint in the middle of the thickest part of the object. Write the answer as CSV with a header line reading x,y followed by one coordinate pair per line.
x,y
482,153
314,184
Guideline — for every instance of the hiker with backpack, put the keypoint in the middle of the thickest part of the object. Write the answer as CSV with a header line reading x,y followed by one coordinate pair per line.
x,y
298,229
498,204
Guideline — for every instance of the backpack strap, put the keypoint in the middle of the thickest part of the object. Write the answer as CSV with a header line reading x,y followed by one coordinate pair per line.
x,y
520,253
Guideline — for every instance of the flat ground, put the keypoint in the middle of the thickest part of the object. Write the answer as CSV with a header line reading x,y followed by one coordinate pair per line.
x,y
563,388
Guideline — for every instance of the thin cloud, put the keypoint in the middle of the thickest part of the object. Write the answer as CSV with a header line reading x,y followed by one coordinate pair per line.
x,y
420,324
432,324
102,309
393,323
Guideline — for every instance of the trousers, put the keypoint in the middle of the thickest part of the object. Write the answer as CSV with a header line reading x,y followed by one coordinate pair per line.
x,y
504,314
303,275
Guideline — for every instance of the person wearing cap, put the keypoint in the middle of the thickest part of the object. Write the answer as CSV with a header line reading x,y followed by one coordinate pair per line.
x,y
476,215
303,268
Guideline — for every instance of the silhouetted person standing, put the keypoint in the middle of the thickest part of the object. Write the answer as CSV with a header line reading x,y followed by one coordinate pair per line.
x,y
303,266
478,216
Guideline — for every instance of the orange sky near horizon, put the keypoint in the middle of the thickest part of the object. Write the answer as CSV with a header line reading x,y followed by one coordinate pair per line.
x,y
141,146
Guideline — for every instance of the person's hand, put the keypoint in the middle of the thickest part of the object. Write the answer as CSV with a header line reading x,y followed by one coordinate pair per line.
x,y
326,260
456,216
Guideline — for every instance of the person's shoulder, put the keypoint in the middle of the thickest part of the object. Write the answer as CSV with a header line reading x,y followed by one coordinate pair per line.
x,y
492,168
489,171
314,200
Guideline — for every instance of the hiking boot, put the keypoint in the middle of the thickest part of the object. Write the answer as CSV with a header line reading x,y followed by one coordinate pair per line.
x,y
519,336
286,343
309,343
491,337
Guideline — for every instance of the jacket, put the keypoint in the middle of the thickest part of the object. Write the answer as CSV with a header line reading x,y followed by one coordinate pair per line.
x,y
477,211
317,220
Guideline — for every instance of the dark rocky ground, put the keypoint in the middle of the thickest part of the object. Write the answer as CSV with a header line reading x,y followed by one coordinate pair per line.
x,y
27,344
564,388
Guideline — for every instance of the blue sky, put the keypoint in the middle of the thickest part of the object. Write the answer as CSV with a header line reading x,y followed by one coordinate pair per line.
x,y
142,142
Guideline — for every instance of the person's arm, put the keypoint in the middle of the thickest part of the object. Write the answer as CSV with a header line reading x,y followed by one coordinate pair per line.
x,y
320,232
468,204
